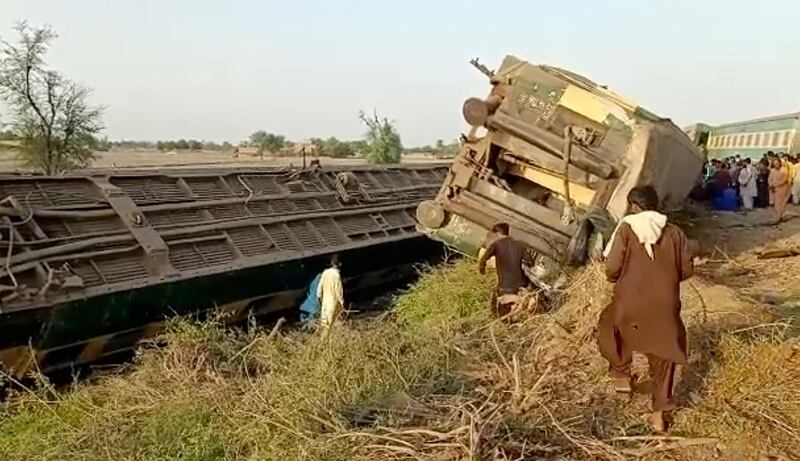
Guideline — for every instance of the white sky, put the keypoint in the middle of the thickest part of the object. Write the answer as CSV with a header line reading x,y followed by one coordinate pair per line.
x,y
173,69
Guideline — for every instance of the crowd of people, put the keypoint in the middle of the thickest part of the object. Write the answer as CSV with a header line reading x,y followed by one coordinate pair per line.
x,y
740,183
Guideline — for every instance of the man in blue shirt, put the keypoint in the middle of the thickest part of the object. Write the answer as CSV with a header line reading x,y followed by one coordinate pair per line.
x,y
309,309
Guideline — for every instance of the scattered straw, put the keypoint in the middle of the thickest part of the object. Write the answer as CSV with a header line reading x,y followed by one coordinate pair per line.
x,y
435,380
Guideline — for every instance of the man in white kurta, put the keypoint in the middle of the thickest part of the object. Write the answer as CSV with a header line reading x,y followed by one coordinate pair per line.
x,y
747,184
330,294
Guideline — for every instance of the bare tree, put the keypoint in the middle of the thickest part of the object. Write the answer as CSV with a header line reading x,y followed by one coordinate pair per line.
x,y
51,114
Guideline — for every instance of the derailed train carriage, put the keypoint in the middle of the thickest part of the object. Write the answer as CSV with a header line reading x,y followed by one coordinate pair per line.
x,y
554,155
93,264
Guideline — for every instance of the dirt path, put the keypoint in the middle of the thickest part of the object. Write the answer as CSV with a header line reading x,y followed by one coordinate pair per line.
x,y
144,158
730,245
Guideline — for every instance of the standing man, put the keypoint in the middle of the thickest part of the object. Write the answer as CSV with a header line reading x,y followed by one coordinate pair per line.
x,y
796,181
330,294
722,179
508,257
747,184
735,168
779,187
762,184
788,162
646,260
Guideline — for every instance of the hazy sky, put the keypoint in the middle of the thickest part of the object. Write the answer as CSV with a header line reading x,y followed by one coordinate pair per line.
x,y
221,70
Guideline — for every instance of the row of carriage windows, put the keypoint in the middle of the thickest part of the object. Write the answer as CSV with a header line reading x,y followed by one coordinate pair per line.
x,y
772,139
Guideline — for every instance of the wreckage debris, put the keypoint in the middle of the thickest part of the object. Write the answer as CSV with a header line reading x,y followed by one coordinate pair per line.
x,y
554,155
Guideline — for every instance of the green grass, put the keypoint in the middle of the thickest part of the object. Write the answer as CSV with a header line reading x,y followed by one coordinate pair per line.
x,y
214,393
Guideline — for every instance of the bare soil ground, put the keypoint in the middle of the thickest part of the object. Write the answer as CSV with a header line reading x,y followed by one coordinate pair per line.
x,y
157,159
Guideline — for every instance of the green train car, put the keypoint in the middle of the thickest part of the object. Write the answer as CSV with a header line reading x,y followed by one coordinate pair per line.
x,y
698,133
751,138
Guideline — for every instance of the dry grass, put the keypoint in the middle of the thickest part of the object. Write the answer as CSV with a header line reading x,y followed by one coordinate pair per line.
x,y
437,380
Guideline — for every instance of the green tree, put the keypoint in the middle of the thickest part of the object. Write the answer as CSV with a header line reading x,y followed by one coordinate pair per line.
x,y
332,147
181,144
383,140
268,141
195,144
211,145
51,114
359,147
317,143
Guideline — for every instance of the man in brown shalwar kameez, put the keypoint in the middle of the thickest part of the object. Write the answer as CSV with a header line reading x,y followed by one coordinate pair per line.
x,y
646,260
508,255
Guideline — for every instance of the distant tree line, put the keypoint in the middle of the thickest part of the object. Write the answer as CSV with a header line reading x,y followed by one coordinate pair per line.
x,y
105,145
381,143
8,135
279,145
192,144
440,149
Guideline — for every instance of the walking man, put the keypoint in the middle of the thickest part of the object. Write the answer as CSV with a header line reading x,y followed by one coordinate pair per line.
x,y
330,294
646,260
508,257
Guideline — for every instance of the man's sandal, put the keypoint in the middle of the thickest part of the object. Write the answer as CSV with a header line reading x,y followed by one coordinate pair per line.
x,y
623,385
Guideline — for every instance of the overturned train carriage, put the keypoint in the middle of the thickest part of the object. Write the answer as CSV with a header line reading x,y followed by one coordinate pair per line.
x,y
92,264
554,155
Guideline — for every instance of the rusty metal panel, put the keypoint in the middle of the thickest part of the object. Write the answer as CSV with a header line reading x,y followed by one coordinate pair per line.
x,y
79,236
554,155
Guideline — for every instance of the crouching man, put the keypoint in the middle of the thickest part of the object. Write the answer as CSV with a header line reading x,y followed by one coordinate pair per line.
x,y
509,255
646,260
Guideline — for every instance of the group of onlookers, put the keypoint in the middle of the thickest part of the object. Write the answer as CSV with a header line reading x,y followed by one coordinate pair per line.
x,y
770,182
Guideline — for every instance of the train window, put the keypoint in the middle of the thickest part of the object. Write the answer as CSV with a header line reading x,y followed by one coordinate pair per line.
x,y
740,140
786,137
775,139
726,141
757,141
749,140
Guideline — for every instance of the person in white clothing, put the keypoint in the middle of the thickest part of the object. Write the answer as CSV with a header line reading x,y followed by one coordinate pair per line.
x,y
796,181
747,184
330,294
